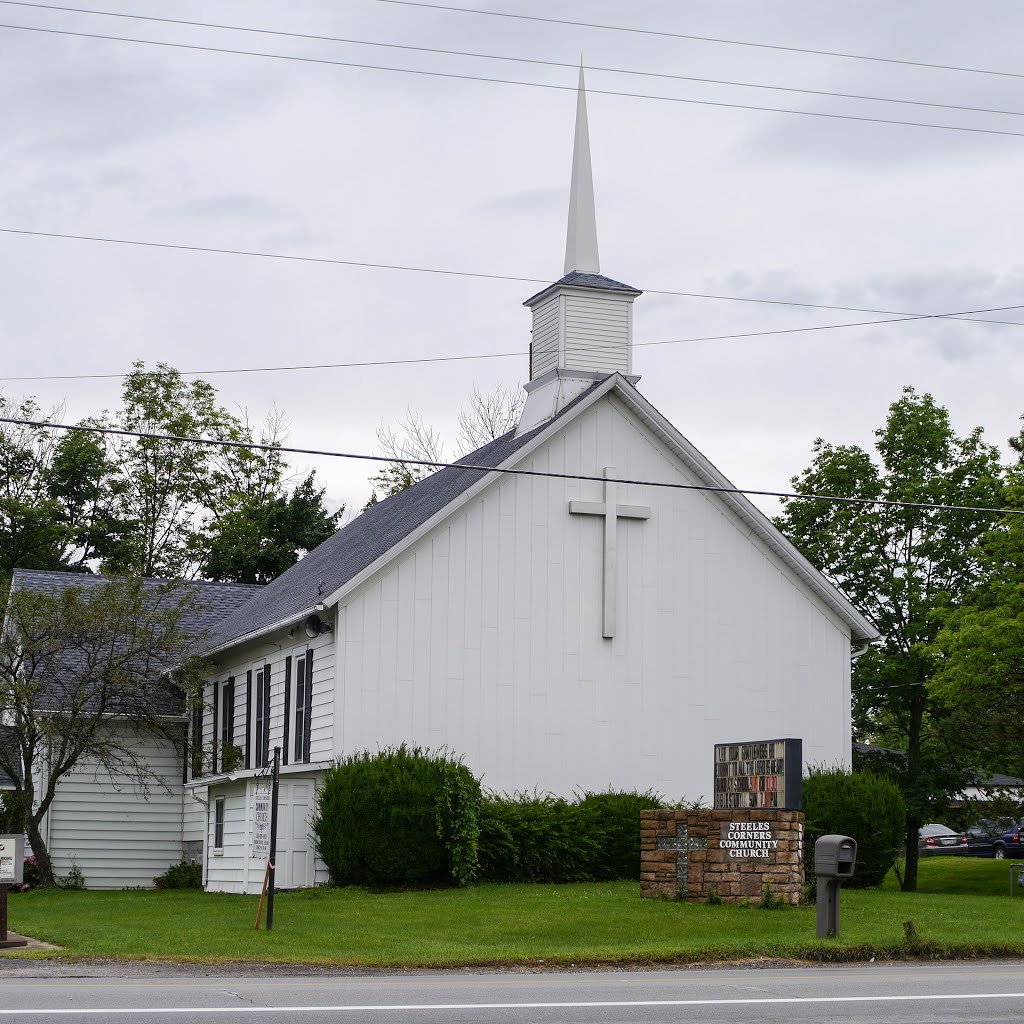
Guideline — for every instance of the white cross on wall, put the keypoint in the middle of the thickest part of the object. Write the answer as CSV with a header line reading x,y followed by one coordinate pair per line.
x,y
612,513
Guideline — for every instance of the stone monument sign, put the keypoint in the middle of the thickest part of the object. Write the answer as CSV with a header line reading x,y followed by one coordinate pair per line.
x,y
750,842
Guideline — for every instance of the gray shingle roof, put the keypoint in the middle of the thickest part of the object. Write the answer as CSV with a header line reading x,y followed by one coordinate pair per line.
x,y
369,536
580,280
61,681
577,279
214,601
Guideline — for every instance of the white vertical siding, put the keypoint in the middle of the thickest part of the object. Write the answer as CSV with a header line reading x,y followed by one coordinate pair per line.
x,y
494,621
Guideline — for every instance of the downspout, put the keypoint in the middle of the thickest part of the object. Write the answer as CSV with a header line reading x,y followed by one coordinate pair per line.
x,y
859,651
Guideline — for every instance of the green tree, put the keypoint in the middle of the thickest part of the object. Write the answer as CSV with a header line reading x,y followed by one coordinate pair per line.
x,y
220,510
167,487
901,565
260,537
980,674
84,675
33,532
150,506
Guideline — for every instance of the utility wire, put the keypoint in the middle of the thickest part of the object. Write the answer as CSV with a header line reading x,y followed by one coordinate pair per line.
x,y
707,39
309,36
465,464
513,81
897,314
496,355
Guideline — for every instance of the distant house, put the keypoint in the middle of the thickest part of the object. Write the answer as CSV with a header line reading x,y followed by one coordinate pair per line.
x,y
994,786
115,831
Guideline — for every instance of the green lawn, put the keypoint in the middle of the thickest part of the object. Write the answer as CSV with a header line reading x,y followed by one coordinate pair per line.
x,y
963,909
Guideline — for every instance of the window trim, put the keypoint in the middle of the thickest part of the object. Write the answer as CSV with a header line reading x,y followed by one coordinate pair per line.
x,y
218,825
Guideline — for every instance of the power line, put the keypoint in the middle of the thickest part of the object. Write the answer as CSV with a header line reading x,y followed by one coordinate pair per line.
x,y
464,464
707,39
897,314
502,355
512,81
314,37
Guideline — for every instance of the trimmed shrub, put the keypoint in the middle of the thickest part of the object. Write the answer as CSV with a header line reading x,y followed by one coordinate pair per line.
x,y
617,815
181,876
867,807
404,817
536,838
541,838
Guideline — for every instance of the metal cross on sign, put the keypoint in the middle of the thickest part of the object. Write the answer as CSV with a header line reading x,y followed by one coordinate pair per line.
x,y
612,513
683,843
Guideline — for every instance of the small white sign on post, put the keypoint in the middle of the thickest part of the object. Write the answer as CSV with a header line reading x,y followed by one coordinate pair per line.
x,y
12,859
260,846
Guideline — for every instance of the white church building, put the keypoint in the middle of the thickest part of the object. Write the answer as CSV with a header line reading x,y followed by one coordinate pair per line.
x,y
583,603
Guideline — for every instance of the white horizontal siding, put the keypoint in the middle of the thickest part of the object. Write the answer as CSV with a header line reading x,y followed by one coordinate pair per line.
x,y
597,333
117,832
234,868
273,653
545,336
226,869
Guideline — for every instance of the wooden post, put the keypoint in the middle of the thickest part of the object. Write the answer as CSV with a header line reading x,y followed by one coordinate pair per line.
x,y
263,895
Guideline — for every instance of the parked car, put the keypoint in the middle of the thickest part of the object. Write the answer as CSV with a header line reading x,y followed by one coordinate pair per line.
x,y
995,837
941,841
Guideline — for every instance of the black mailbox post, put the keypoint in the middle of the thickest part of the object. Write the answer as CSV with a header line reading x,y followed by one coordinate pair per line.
x,y
835,858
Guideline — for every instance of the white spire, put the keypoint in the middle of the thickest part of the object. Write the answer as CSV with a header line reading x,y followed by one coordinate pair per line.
x,y
581,237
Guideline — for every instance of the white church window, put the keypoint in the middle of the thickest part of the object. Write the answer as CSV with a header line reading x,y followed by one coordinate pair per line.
x,y
303,702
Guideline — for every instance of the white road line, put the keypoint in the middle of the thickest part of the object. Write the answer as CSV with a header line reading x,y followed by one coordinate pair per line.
x,y
394,1007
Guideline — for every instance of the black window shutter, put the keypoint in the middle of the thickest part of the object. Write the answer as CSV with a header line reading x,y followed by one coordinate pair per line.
x,y
195,747
300,706
248,717
213,739
309,704
265,738
287,708
228,715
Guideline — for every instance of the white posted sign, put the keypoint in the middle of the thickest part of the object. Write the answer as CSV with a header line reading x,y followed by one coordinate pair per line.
x,y
12,859
260,847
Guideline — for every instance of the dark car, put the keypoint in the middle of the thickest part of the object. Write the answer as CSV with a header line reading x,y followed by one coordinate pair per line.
x,y
995,837
940,841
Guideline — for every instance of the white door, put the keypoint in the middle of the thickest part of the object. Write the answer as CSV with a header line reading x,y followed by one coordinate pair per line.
x,y
295,844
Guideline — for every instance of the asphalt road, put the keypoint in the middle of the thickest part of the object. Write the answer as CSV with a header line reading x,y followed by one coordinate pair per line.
x,y
70,993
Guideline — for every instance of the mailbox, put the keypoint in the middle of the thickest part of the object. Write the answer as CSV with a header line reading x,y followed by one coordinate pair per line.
x,y
835,857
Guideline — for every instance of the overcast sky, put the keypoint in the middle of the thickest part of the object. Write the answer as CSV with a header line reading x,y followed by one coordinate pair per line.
x,y
144,142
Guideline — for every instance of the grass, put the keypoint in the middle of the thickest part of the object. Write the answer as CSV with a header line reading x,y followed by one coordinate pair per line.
x,y
963,908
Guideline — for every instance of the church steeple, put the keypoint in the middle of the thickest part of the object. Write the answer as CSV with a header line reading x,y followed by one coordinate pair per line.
x,y
581,237
583,323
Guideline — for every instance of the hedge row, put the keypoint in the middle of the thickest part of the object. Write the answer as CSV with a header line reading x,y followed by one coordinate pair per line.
x,y
408,817
411,817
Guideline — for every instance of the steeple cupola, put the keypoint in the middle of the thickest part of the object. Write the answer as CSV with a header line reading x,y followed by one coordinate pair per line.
x,y
583,323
